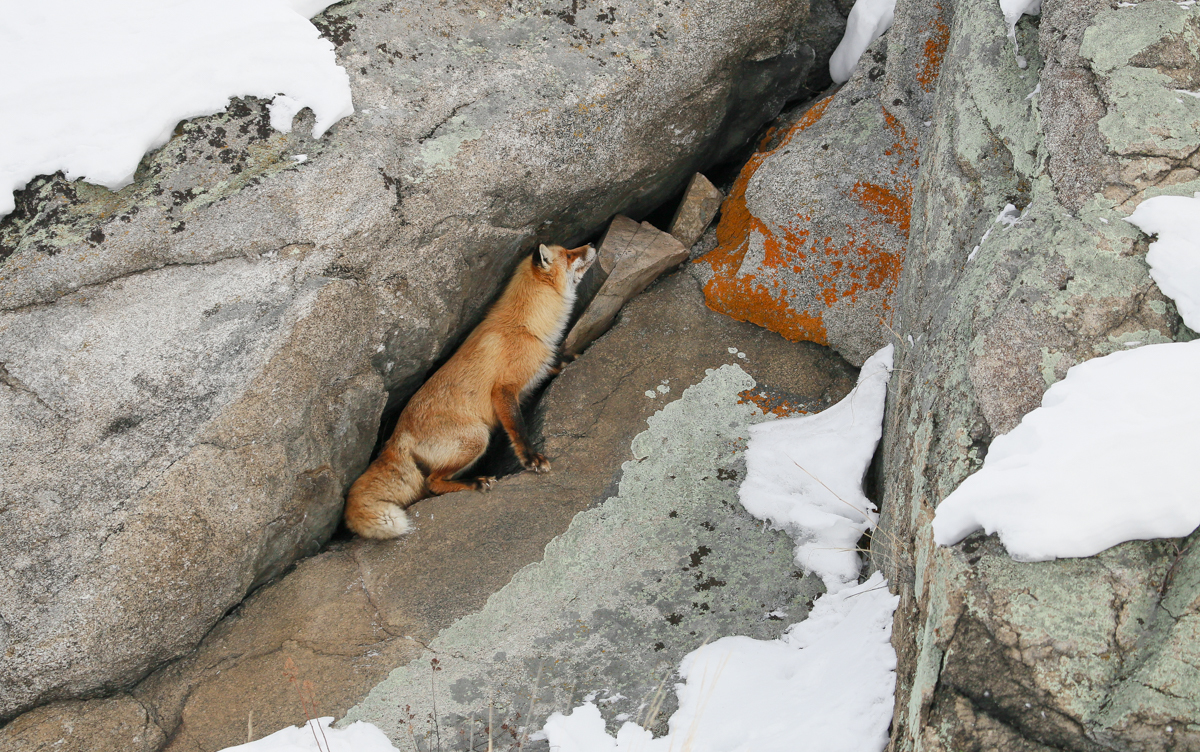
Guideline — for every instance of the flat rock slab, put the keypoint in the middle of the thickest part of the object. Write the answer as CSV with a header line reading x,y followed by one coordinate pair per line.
x,y
632,256
351,614
635,583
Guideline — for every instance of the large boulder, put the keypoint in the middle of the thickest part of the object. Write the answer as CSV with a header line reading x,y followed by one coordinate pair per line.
x,y
192,369
812,236
1019,265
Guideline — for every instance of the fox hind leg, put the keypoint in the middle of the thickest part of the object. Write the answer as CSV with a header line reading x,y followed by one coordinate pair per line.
x,y
453,460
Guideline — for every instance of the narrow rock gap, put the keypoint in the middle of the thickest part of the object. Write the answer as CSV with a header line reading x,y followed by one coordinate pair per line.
x,y
499,460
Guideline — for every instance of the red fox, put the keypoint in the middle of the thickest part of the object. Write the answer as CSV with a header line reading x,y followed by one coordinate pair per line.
x,y
445,427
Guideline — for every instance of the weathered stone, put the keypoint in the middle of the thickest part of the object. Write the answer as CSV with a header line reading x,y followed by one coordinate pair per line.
x,y
701,202
115,723
351,614
633,255
813,233
193,368
1084,654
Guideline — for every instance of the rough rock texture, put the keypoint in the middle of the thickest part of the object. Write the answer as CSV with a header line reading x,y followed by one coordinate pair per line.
x,y
812,236
632,255
114,723
351,614
1089,654
700,203
192,369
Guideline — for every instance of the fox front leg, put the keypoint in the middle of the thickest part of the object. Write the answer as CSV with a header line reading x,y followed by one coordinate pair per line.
x,y
507,404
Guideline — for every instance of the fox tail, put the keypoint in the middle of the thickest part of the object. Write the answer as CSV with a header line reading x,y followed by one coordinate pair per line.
x,y
377,500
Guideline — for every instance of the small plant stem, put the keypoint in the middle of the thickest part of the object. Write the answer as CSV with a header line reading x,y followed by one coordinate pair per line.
x,y
489,726
250,727
532,701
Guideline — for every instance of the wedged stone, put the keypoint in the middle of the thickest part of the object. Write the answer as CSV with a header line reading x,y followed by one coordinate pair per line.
x,y
700,204
350,615
192,369
632,255
812,236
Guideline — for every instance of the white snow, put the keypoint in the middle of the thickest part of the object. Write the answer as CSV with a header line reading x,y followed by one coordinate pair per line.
x,y
805,474
868,20
359,736
826,685
112,80
1174,258
1110,456
1013,10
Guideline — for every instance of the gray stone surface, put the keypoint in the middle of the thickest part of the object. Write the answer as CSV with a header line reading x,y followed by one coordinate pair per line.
x,y
349,615
1088,654
192,368
632,255
700,203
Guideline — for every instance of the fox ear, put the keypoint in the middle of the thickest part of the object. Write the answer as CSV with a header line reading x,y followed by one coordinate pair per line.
x,y
542,258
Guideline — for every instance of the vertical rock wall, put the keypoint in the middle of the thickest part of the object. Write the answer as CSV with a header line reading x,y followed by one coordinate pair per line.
x,y
1088,654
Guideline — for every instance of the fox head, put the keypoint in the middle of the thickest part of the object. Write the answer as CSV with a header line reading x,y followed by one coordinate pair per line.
x,y
567,264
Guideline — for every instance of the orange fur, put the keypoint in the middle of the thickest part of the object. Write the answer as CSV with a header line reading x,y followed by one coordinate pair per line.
x,y
445,427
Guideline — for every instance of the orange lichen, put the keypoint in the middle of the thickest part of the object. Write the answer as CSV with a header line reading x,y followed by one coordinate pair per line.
x,y
771,402
930,64
860,261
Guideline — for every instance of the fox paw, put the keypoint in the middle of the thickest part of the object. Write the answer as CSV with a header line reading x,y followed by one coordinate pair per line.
x,y
484,483
537,463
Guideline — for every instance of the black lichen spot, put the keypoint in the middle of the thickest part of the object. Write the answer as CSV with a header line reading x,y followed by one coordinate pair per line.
x,y
97,236
674,619
774,617
697,556
875,73
609,16
178,198
659,646
121,425
723,474
209,312
672,514
178,227
218,138
336,29
709,584
708,526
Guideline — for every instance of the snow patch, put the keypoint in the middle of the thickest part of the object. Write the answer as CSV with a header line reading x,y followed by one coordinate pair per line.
x,y
359,736
121,75
1107,458
1013,10
1109,455
1174,258
868,20
804,475
829,681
